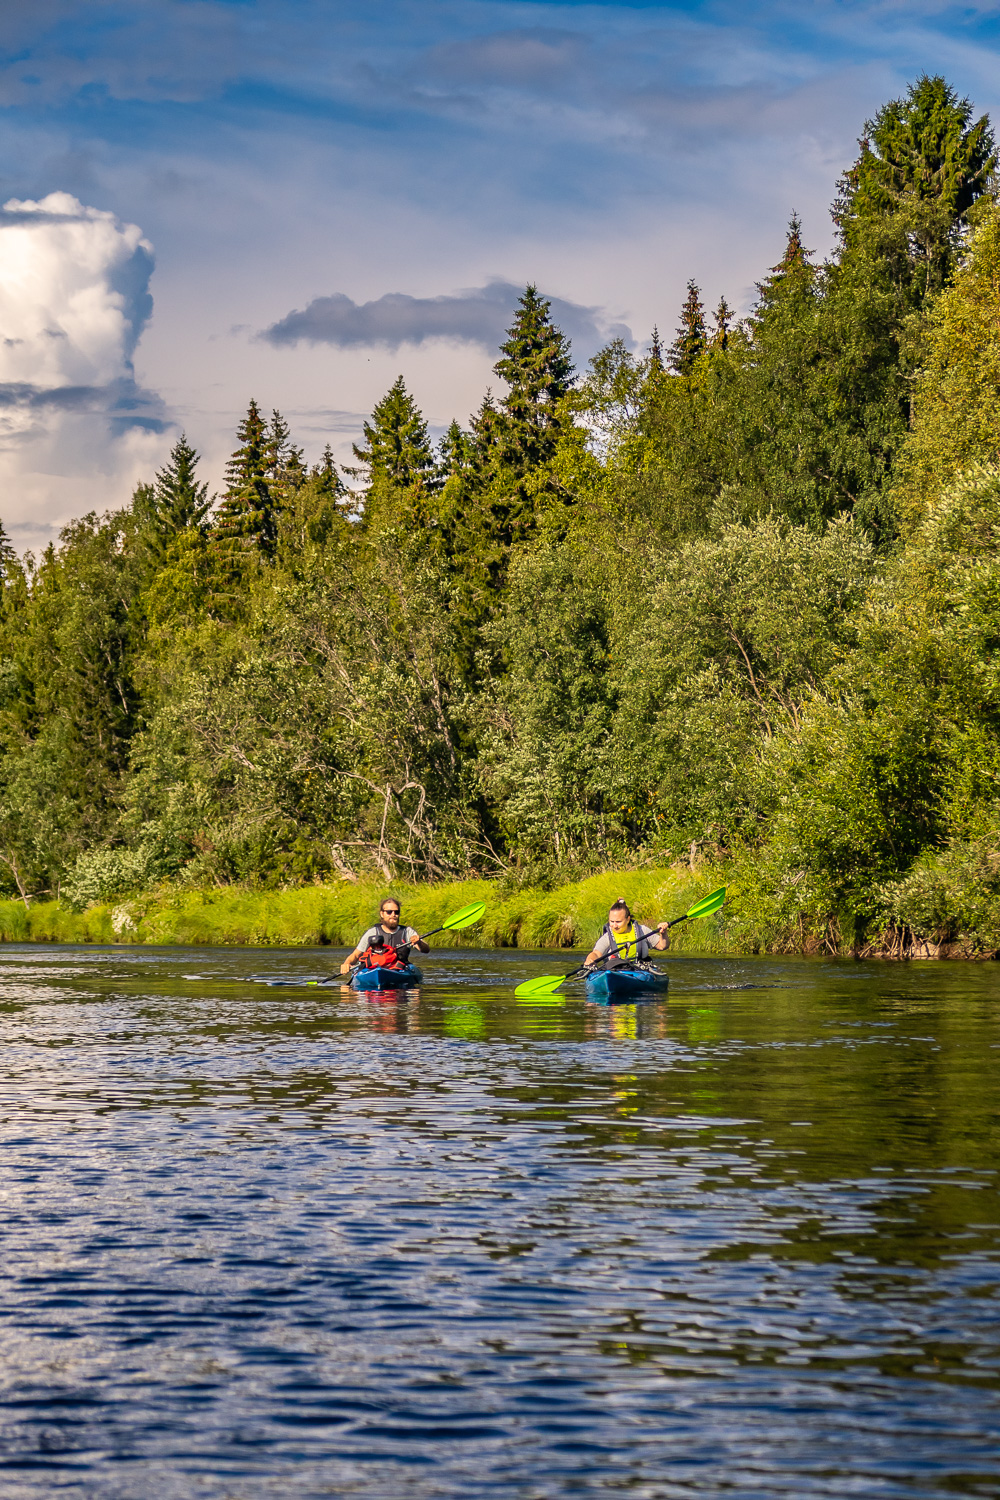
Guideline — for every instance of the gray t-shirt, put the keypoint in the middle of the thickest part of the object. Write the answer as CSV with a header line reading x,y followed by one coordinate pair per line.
x,y
365,941
625,941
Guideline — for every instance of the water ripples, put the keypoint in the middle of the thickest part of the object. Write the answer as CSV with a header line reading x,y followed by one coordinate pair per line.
x,y
261,1242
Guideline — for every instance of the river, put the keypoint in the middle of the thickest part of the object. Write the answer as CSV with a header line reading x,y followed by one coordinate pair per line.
x,y
263,1242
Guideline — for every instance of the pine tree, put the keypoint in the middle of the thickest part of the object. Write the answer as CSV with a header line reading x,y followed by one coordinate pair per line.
x,y
538,372
174,502
922,167
690,341
246,521
722,318
398,449
656,352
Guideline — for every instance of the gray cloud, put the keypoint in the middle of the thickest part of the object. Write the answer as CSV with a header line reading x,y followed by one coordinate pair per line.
x,y
122,403
480,315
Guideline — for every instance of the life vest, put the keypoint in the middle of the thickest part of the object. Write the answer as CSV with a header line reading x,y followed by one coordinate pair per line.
x,y
387,950
641,944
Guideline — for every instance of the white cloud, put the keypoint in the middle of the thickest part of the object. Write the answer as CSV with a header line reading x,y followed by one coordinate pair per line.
x,y
75,428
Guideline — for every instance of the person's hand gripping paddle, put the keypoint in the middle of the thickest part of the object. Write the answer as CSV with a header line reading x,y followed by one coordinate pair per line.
x,y
547,984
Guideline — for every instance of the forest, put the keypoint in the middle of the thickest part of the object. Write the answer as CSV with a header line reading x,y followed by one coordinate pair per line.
x,y
732,602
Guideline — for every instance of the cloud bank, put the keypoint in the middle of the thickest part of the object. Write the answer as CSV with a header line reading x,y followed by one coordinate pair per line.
x,y
480,315
74,298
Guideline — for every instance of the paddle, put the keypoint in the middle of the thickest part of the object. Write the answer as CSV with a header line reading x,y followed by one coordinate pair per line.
x,y
547,984
467,916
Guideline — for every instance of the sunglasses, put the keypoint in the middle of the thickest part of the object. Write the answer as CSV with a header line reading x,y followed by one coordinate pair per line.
x,y
390,911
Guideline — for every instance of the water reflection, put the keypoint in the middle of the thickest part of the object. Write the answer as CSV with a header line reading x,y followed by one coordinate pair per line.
x,y
300,1241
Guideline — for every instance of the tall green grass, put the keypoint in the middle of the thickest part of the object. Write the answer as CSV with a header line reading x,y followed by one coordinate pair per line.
x,y
570,917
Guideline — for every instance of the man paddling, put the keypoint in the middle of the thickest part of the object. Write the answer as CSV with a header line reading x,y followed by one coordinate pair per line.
x,y
386,933
626,940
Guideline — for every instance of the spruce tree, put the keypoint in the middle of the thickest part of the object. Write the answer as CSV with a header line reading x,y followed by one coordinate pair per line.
x,y
8,557
722,318
174,502
923,165
455,452
538,372
691,339
397,448
325,477
487,443
246,521
286,469
794,271
656,352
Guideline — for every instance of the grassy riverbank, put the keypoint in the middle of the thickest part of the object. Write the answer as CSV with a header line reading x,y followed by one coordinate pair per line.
x,y
570,916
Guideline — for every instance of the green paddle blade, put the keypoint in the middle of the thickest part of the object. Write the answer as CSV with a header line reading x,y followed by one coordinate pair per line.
x,y
537,989
708,904
467,917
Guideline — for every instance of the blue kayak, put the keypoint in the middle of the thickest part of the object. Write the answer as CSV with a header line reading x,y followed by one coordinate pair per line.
x,y
386,979
626,984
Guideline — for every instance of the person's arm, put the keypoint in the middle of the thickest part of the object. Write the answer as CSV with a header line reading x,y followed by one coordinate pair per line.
x,y
663,936
351,958
416,941
599,950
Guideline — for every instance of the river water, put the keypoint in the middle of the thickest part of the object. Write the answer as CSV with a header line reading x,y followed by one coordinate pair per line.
x,y
263,1242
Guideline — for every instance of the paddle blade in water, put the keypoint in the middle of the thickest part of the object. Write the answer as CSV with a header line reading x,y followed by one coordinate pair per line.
x,y
467,917
537,989
708,904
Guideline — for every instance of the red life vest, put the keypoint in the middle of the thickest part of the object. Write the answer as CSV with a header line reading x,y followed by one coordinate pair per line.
x,y
387,956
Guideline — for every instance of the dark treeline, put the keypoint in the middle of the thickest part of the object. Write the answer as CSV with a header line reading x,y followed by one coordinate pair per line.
x,y
736,599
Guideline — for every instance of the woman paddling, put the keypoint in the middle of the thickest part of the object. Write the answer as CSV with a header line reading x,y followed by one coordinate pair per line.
x,y
386,933
626,940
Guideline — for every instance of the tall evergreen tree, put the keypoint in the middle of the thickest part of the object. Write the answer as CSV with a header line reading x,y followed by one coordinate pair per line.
x,y
691,338
8,557
246,521
538,372
397,448
794,272
325,477
286,470
455,452
174,502
722,317
656,351
923,165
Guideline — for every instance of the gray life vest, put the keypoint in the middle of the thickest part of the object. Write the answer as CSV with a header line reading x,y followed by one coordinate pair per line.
x,y
395,939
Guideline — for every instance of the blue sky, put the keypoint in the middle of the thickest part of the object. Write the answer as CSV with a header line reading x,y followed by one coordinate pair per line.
x,y
399,166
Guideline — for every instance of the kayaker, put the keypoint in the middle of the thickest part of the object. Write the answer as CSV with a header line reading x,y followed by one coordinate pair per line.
x,y
387,933
626,939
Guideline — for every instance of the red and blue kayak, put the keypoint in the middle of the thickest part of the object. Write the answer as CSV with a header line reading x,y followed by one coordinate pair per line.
x,y
386,979
630,983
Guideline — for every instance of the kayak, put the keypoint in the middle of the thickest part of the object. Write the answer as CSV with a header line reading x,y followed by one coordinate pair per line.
x,y
386,979
625,984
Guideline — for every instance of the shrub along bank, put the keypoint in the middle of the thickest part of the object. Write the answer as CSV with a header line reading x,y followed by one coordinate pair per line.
x,y
336,914
915,918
